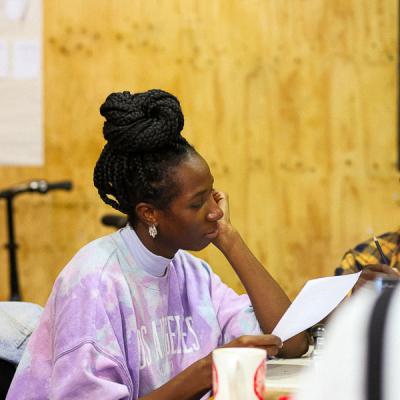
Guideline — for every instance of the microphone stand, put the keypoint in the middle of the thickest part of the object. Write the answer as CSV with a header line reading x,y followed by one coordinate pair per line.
x,y
41,187
12,246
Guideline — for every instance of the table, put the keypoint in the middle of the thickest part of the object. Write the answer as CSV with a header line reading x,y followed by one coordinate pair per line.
x,y
284,376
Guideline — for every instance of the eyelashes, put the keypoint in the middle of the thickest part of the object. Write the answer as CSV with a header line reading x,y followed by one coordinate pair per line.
x,y
203,200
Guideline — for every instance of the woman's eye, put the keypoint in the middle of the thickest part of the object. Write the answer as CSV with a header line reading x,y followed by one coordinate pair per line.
x,y
196,205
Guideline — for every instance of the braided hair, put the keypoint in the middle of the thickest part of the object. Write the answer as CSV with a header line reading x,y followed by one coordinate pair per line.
x,y
144,144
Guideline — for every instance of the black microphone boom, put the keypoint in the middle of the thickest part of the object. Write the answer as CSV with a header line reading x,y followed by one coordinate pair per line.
x,y
40,186
63,185
116,221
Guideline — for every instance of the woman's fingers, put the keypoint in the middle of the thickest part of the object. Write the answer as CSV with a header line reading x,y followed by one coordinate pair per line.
x,y
218,195
256,340
271,343
221,199
271,350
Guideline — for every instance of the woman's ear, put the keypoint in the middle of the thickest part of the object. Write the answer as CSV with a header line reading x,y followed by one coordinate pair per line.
x,y
146,213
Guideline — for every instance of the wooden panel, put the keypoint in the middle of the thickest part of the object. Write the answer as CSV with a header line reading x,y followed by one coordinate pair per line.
x,y
293,103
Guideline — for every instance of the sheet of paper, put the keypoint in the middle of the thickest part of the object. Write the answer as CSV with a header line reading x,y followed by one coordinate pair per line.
x,y
4,59
314,302
26,59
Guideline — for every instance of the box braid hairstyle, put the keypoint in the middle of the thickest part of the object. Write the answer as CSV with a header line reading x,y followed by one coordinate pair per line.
x,y
144,144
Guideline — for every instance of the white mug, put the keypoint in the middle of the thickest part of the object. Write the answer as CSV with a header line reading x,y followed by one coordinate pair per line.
x,y
238,373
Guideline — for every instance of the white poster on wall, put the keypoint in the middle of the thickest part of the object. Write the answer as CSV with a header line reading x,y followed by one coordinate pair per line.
x,y
21,102
26,59
4,59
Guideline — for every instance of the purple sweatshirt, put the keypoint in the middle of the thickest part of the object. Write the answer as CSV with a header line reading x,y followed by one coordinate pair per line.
x,y
121,321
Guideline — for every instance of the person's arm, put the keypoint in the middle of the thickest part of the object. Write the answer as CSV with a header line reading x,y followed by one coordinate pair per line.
x,y
268,299
192,383
372,271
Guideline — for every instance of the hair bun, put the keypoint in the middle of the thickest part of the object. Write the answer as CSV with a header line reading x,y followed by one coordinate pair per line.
x,y
142,121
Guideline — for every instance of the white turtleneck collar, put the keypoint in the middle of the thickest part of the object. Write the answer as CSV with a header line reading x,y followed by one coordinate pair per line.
x,y
151,263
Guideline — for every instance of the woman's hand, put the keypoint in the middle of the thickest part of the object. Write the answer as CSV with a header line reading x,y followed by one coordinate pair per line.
x,y
226,230
372,271
271,343
221,198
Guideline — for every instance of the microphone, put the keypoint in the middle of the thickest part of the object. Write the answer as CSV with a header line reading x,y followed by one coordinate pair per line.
x,y
116,221
62,185
40,186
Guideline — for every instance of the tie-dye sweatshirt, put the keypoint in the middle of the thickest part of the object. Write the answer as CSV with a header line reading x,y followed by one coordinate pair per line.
x,y
121,321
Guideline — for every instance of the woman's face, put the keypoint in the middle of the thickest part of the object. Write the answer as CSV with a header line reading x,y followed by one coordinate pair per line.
x,y
190,221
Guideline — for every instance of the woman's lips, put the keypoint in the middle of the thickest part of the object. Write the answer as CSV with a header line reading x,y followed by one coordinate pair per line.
x,y
212,235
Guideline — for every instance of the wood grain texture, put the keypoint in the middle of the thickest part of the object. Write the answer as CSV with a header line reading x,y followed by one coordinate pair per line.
x,y
293,103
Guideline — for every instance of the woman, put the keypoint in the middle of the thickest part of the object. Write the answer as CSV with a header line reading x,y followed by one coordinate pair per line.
x,y
133,315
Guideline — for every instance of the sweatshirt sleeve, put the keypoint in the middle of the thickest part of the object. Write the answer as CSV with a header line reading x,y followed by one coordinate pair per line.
x,y
235,313
86,372
79,349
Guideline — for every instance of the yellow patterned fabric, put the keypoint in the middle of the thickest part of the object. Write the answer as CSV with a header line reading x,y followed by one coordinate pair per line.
x,y
366,253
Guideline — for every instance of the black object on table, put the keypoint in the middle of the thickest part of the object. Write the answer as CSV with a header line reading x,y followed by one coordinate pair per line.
x,y
7,373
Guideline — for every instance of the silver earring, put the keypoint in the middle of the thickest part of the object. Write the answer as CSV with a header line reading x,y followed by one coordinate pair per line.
x,y
153,231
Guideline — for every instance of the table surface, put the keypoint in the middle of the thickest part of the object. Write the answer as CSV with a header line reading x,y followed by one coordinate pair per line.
x,y
285,374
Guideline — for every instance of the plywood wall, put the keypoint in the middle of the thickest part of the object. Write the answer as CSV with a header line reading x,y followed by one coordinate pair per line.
x,y
292,102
